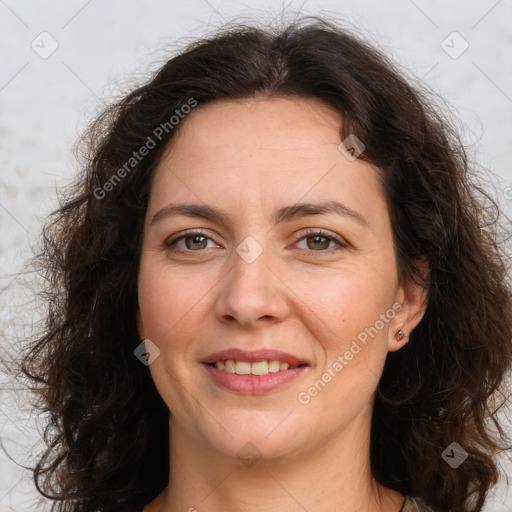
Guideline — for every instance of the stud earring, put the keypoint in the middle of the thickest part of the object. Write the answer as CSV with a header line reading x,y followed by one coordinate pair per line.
x,y
400,334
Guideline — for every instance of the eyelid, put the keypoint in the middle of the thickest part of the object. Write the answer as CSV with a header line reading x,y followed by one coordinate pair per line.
x,y
322,232
184,234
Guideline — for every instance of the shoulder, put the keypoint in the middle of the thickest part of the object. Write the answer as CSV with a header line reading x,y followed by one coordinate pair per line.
x,y
415,505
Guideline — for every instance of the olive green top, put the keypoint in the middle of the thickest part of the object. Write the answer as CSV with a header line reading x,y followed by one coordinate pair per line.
x,y
414,505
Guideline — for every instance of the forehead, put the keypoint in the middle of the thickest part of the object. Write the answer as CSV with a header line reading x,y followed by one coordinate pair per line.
x,y
261,151
229,123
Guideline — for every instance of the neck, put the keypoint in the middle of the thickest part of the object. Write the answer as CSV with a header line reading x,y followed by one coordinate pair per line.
x,y
332,475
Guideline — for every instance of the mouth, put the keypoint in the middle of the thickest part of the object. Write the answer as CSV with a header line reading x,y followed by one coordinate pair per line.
x,y
258,378
254,372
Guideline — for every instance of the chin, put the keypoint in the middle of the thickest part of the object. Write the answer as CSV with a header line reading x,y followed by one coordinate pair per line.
x,y
259,440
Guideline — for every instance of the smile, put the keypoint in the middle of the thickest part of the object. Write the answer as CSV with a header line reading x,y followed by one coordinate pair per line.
x,y
248,383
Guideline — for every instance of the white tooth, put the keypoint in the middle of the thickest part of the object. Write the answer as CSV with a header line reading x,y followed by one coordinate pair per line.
x,y
273,366
259,368
243,368
230,366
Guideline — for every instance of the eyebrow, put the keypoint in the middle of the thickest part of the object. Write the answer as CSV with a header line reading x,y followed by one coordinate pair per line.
x,y
283,214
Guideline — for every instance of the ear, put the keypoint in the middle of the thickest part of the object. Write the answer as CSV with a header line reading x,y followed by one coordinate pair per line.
x,y
140,326
413,299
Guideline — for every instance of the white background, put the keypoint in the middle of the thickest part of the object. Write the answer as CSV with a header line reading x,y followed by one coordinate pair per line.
x,y
103,45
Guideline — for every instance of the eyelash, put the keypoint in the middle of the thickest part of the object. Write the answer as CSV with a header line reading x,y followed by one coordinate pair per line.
x,y
307,234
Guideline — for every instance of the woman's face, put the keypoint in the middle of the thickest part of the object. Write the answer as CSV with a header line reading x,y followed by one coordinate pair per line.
x,y
260,277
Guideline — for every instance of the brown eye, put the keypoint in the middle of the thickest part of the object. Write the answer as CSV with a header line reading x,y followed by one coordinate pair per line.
x,y
198,242
319,241
193,242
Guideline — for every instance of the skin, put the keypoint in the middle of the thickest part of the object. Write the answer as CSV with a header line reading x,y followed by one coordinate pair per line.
x,y
251,157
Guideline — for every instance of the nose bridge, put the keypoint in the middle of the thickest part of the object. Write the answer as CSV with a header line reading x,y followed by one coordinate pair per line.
x,y
250,290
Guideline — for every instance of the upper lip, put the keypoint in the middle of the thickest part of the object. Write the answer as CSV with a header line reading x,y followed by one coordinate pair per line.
x,y
252,356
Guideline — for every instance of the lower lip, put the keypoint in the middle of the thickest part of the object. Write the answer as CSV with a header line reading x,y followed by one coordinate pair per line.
x,y
254,384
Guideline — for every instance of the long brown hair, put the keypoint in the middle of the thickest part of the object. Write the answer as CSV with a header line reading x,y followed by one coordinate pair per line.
x,y
108,427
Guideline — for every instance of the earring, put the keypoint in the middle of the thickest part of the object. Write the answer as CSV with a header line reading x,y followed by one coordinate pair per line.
x,y
400,334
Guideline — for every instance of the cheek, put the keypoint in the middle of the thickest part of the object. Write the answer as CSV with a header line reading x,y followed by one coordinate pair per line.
x,y
343,304
346,311
170,304
171,312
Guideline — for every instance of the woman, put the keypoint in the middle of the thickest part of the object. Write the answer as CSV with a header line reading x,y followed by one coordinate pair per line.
x,y
273,287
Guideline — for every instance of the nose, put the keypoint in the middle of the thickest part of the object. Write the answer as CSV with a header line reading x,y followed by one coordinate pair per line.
x,y
252,293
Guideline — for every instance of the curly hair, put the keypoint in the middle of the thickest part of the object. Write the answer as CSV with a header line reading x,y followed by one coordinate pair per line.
x,y
108,428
